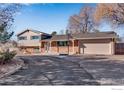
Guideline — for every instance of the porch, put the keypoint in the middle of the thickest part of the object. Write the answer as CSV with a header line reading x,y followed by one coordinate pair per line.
x,y
60,47
80,46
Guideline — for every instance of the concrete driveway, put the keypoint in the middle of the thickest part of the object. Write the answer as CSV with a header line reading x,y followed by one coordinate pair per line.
x,y
49,70
67,70
107,70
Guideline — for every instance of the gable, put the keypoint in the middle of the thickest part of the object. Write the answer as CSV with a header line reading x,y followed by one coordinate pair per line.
x,y
28,33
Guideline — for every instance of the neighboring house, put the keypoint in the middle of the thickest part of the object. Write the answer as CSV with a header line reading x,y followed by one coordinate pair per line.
x,y
29,41
81,43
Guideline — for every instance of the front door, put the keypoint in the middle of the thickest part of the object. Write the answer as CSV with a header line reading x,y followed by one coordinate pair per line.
x,y
47,45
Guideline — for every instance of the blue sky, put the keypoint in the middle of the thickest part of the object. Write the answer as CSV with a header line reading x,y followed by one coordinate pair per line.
x,y
47,17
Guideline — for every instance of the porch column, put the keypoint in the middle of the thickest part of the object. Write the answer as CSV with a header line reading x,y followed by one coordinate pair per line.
x,y
40,43
40,46
73,45
50,46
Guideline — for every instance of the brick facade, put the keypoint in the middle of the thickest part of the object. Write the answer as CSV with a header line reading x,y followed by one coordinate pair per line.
x,y
55,49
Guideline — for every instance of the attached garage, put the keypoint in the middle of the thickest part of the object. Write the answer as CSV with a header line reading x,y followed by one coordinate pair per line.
x,y
97,46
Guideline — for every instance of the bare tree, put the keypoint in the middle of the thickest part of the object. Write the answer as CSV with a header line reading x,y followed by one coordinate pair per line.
x,y
110,12
7,12
83,22
62,32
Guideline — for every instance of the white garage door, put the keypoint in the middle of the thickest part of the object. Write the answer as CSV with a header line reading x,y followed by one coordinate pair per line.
x,y
95,48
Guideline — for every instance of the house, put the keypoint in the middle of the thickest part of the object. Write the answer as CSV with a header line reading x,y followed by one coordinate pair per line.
x,y
29,41
81,43
32,41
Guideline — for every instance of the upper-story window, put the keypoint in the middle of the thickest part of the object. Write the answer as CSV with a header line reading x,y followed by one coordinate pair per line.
x,y
45,37
22,38
34,37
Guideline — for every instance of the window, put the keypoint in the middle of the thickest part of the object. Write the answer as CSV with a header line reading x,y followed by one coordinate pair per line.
x,y
45,37
22,38
34,37
62,43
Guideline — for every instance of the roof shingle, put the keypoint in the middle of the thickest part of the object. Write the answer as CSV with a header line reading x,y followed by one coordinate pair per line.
x,y
93,35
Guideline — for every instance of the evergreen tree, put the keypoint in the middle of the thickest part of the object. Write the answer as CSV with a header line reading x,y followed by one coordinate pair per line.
x,y
4,35
6,19
7,12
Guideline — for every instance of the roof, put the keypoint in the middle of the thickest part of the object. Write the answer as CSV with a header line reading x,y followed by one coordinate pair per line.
x,y
35,31
92,35
61,37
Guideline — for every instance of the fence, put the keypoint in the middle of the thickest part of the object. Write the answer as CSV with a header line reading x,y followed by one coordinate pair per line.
x,y
119,48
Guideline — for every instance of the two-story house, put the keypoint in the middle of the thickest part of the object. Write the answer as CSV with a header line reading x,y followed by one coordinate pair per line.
x,y
29,41
32,41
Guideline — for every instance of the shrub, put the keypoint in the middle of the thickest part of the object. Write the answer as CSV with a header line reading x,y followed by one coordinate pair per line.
x,y
6,56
